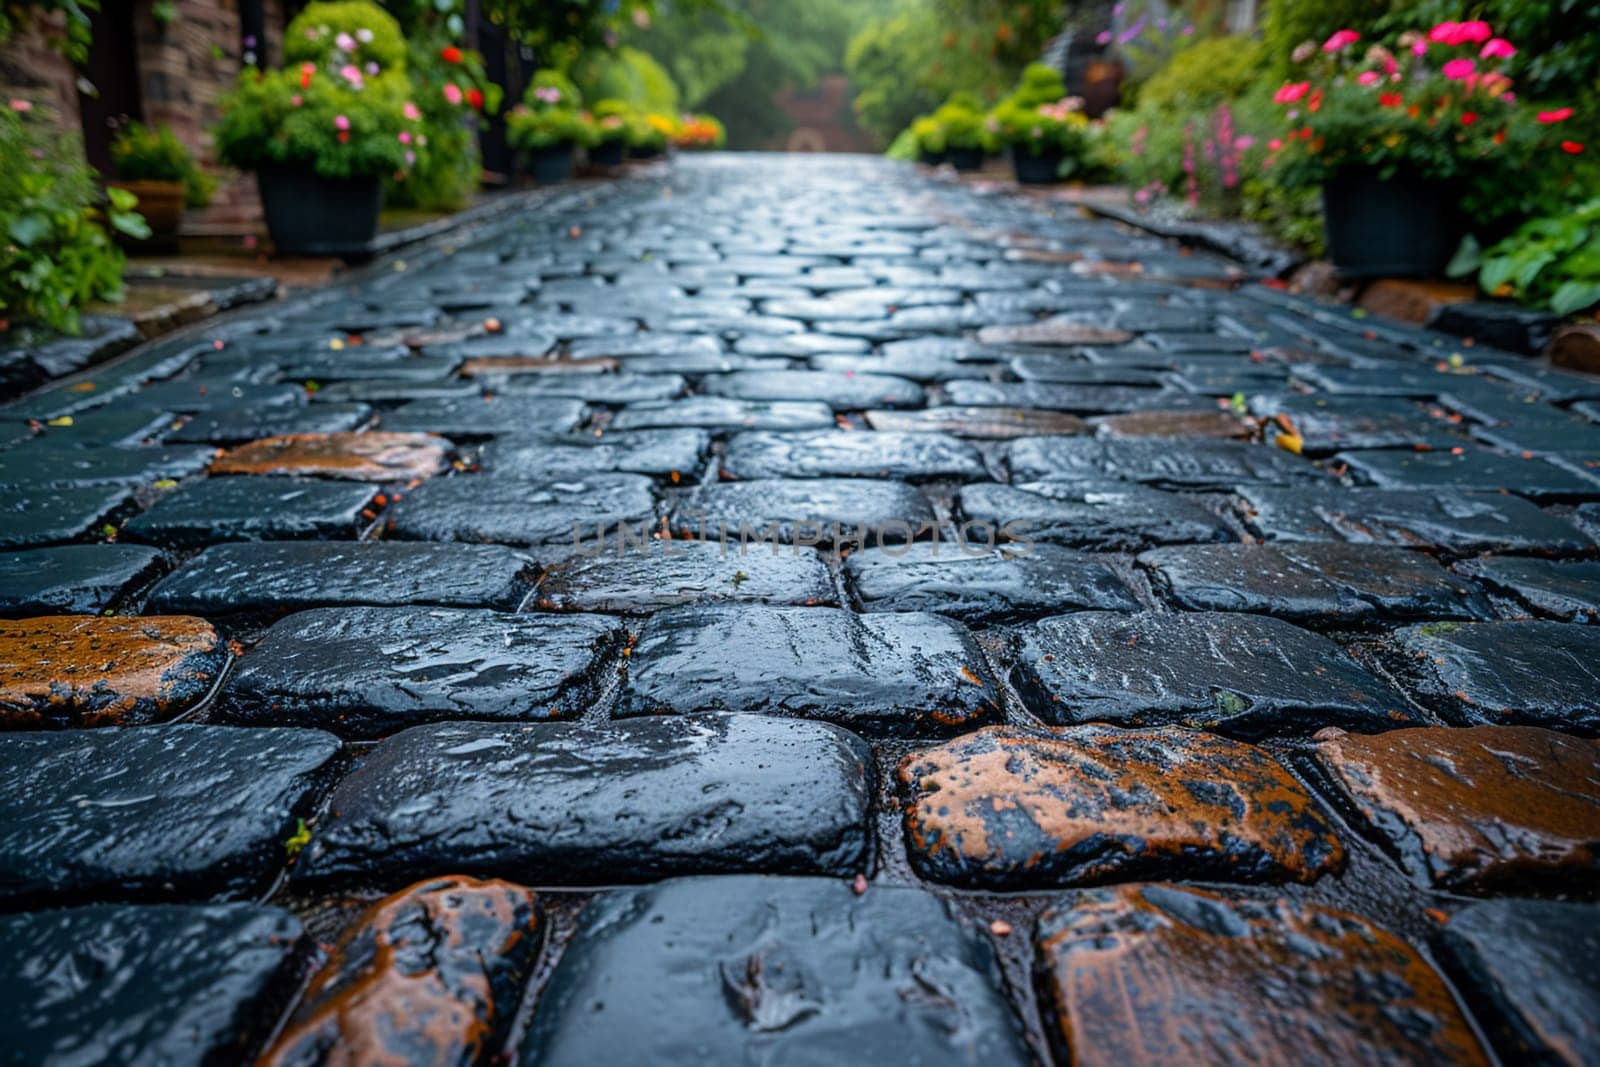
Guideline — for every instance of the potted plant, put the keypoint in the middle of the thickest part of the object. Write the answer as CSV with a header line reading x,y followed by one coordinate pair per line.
x,y
967,139
928,136
548,127
611,122
650,134
1408,143
1048,142
322,133
153,165
699,133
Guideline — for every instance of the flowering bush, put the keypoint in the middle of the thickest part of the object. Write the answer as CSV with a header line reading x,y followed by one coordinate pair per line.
x,y
337,32
549,115
616,120
343,114
1058,126
1436,105
453,92
699,132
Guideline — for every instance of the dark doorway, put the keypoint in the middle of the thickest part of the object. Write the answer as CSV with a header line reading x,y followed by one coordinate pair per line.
x,y
108,92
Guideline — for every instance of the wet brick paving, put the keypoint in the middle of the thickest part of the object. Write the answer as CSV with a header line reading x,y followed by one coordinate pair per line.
x,y
800,610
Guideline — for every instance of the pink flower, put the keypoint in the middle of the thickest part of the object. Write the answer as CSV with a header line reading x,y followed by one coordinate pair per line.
x,y
1419,48
345,42
21,105
372,68
1459,69
452,92
297,100
1275,144
405,136
411,112
1340,41
1560,114
340,122
1455,33
411,157
1291,92
352,74
364,35
1369,77
1243,143
1497,48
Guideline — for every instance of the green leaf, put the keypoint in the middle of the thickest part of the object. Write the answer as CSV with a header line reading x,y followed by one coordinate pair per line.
x,y
1530,267
27,229
1496,272
121,199
131,223
1575,296
1468,258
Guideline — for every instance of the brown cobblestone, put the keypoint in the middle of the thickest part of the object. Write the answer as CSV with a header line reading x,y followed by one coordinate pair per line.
x,y
365,457
1160,975
431,974
1479,809
1019,808
82,670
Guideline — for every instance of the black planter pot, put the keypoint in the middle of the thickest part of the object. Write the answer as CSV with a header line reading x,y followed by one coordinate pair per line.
x,y
607,154
309,215
1406,227
550,166
931,159
966,158
645,153
1036,168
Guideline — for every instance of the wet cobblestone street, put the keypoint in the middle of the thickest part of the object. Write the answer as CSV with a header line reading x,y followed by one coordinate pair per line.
x,y
801,610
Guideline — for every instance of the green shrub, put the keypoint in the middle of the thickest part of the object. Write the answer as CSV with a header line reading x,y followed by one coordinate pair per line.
x,y
963,124
532,129
628,75
1551,262
55,254
1040,84
1204,74
611,118
336,32
146,153
928,137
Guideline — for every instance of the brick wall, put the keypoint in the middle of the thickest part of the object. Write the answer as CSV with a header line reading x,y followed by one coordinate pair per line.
x,y
184,67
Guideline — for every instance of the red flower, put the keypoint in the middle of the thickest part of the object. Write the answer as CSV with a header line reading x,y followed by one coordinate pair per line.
x,y
1468,118
1571,148
475,98
450,54
306,70
1391,99
1500,137
1315,103
1561,114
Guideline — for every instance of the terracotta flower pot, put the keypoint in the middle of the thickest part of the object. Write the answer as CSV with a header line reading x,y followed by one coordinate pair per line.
x,y
161,204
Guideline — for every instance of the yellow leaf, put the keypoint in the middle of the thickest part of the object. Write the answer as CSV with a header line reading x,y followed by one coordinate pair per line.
x,y
1290,442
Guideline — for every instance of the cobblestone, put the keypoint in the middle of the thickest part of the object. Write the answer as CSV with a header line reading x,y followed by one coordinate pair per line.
x,y
766,608
1461,807
1158,974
